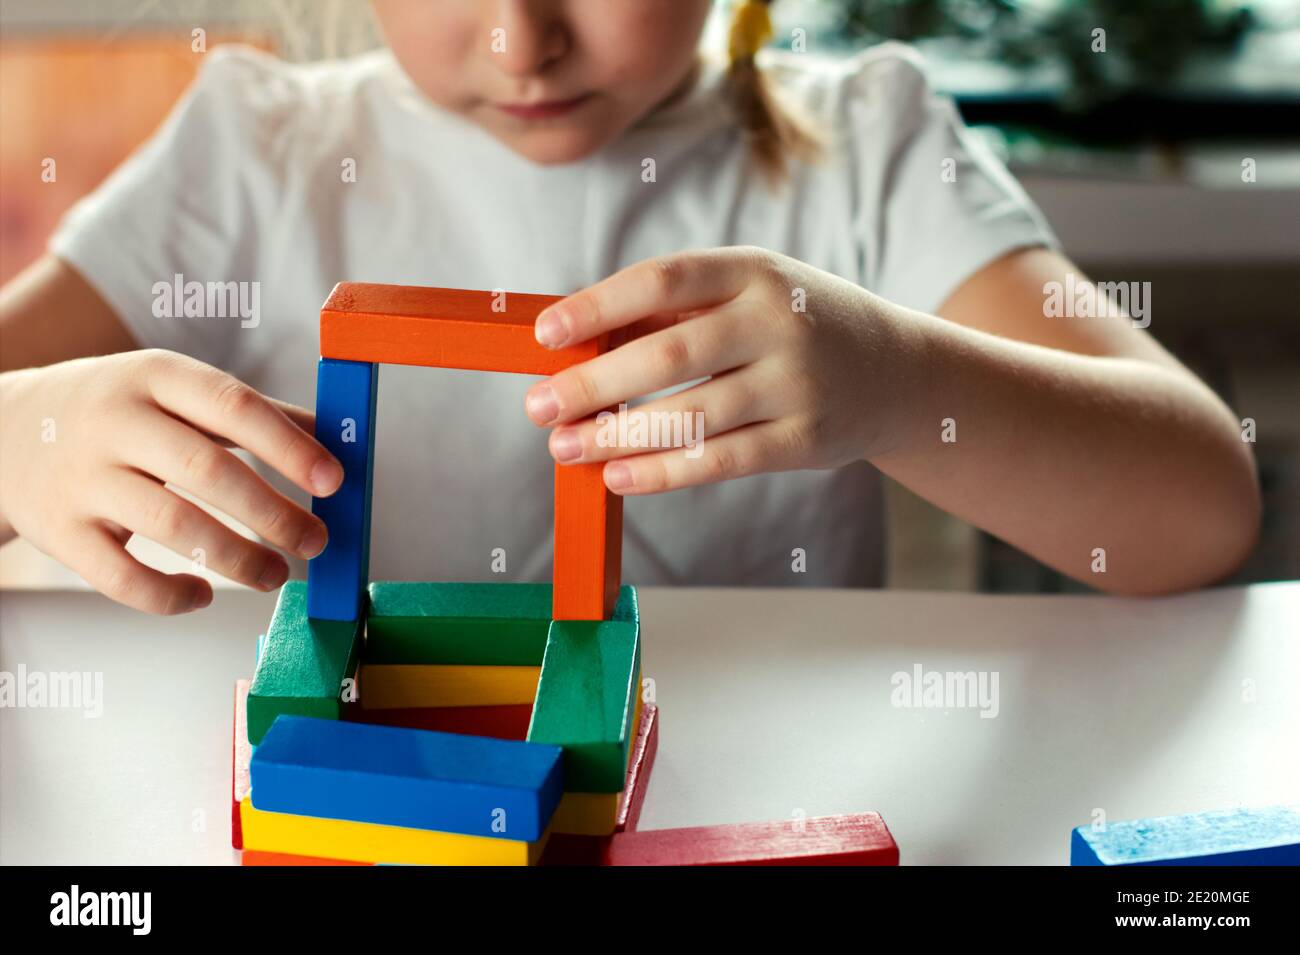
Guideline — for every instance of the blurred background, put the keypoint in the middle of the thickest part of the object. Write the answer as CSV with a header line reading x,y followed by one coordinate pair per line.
x,y
1174,158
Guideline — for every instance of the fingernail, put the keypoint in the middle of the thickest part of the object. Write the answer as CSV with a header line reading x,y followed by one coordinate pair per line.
x,y
312,542
551,329
202,598
325,478
542,405
566,445
618,476
273,575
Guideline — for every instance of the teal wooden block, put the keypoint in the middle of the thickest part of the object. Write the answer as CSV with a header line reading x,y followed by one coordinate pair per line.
x,y
586,700
1268,836
302,665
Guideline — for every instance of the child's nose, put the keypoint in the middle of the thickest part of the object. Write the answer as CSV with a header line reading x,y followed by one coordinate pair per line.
x,y
527,36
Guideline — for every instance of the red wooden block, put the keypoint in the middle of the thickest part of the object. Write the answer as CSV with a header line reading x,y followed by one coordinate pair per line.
x,y
241,756
859,839
258,857
500,722
644,748
442,328
588,544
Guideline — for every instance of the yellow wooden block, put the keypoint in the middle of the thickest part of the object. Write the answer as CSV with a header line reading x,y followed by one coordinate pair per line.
x,y
586,814
370,842
593,814
385,686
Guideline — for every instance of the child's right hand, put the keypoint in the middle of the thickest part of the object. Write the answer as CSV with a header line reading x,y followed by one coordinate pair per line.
x,y
87,446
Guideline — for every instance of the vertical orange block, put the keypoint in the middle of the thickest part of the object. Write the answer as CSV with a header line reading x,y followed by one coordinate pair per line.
x,y
588,544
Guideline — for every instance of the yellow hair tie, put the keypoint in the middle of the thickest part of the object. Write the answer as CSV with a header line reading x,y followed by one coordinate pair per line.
x,y
751,27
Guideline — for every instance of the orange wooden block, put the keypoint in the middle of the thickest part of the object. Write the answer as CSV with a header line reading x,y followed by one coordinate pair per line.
x,y
588,544
258,857
442,328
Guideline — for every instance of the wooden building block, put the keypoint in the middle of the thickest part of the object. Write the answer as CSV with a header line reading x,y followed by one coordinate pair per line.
x,y
241,756
303,664
859,839
418,779
256,858
397,686
1265,836
498,722
640,763
588,544
442,328
586,700
345,425
368,842
487,624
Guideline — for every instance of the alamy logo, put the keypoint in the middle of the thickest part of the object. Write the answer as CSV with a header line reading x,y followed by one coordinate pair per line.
x,y
181,299
946,690
57,690
652,429
1079,298
75,907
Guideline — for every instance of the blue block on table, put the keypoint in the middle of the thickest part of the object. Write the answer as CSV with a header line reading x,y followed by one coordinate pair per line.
x,y
1269,836
345,425
418,779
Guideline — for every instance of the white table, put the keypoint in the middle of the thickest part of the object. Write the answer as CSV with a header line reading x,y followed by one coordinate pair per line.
x,y
772,703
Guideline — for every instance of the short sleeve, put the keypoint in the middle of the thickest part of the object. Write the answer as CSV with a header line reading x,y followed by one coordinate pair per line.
x,y
935,205
182,209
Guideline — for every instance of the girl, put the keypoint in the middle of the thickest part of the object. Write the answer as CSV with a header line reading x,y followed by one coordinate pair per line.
x,y
844,281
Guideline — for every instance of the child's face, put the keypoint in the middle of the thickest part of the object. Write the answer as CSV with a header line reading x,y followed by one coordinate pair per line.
x,y
552,79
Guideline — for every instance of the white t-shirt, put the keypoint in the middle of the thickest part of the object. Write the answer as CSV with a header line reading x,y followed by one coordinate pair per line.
x,y
247,181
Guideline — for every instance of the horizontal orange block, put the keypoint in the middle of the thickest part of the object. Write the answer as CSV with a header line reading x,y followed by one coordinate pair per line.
x,y
442,328
257,857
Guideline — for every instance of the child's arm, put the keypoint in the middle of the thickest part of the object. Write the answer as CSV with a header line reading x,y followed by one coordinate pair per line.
x,y
88,444
1082,436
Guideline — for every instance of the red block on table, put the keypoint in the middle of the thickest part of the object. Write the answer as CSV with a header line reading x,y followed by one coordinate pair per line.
x,y
859,839
499,722
644,748
241,757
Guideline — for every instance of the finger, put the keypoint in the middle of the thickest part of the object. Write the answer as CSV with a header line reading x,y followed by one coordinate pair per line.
x,y
147,508
714,407
179,455
753,449
707,345
304,419
104,563
669,284
223,405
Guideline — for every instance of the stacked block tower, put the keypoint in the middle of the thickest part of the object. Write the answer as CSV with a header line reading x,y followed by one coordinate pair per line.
x,y
440,723
464,723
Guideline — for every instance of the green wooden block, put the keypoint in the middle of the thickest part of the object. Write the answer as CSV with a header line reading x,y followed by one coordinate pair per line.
x,y
586,699
474,624
303,664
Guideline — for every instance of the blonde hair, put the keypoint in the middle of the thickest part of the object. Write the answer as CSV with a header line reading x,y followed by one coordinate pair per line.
x,y
775,133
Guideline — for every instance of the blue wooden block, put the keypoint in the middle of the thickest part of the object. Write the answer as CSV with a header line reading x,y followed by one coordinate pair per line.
x,y
1269,836
417,779
345,424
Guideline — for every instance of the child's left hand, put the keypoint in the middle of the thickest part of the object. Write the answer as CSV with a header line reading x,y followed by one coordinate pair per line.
x,y
801,367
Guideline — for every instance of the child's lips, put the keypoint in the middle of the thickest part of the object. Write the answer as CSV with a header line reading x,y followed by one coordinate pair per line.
x,y
543,109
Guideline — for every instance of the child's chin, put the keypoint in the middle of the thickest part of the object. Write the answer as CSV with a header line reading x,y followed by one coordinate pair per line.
x,y
552,147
